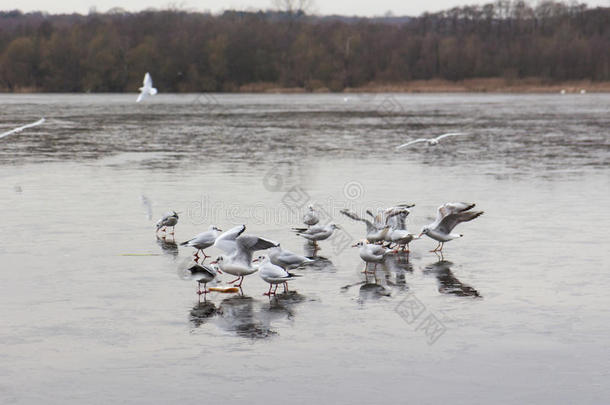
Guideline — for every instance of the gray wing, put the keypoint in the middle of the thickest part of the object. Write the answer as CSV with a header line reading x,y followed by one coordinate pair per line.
x,y
438,138
450,221
411,143
369,225
227,241
254,243
290,258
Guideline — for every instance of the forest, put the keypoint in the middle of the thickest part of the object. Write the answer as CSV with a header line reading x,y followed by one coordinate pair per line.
x,y
189,51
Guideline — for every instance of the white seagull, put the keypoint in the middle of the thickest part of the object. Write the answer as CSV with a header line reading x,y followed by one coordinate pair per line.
x,y
317,232
202,274
17,130
448,217
273,274
286,259
431,141
311,216
147,88
169,219
239,249
372,253
203,241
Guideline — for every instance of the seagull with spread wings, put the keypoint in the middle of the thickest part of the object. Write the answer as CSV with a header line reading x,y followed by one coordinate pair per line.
x,y
147,88
448,217
21,128
239,248
431,141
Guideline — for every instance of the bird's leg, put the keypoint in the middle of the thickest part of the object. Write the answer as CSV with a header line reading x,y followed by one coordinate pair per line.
x,y
199,288
231,282
196,256
268,293
275,289
241,280
441,249
285,287
436,248
204,255
172,232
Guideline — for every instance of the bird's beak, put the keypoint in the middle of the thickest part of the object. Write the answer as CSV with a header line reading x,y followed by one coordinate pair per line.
x,y
214,262
219,230
219,271
355,245
419,236
255,260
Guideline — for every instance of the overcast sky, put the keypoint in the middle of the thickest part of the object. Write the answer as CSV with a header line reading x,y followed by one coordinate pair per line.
x,y
345,7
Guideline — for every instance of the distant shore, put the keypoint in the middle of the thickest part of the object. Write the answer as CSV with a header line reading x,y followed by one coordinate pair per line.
x,y
488,85
492,85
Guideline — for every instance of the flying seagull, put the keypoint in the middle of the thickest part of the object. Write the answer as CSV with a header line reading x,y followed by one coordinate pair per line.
x,y
147,88
17,130
431,141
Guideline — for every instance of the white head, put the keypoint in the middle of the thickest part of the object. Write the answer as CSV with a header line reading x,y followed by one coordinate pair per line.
x,y
332,225
214,228
260,259
424,231
360,243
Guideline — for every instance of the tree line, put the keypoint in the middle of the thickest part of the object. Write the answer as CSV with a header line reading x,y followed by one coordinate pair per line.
x,y
192,52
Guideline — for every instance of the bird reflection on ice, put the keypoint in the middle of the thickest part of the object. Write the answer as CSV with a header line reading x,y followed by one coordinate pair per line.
x,y
447,282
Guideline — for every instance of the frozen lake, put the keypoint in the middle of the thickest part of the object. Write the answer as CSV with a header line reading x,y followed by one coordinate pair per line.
x,y
95,309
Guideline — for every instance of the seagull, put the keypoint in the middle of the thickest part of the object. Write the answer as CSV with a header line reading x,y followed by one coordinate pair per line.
x,y
272,274
286,259
374,232
203,241
448,216
431,141
401,237
202,274
239,249
17,130
147,88
396,217
169,219
372,253
317,232
311,217
392,216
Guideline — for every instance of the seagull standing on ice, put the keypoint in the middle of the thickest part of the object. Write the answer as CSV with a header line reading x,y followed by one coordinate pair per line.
x,y
286,259
19,129
273,274
147,88
239,249
317,232
202,274
169,219
431,141
372,253
203,241
448,217
311,217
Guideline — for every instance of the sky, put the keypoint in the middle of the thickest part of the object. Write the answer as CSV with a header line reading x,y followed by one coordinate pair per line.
x,y
344,7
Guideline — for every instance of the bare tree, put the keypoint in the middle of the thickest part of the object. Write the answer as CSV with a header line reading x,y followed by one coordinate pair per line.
x,y
294,6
